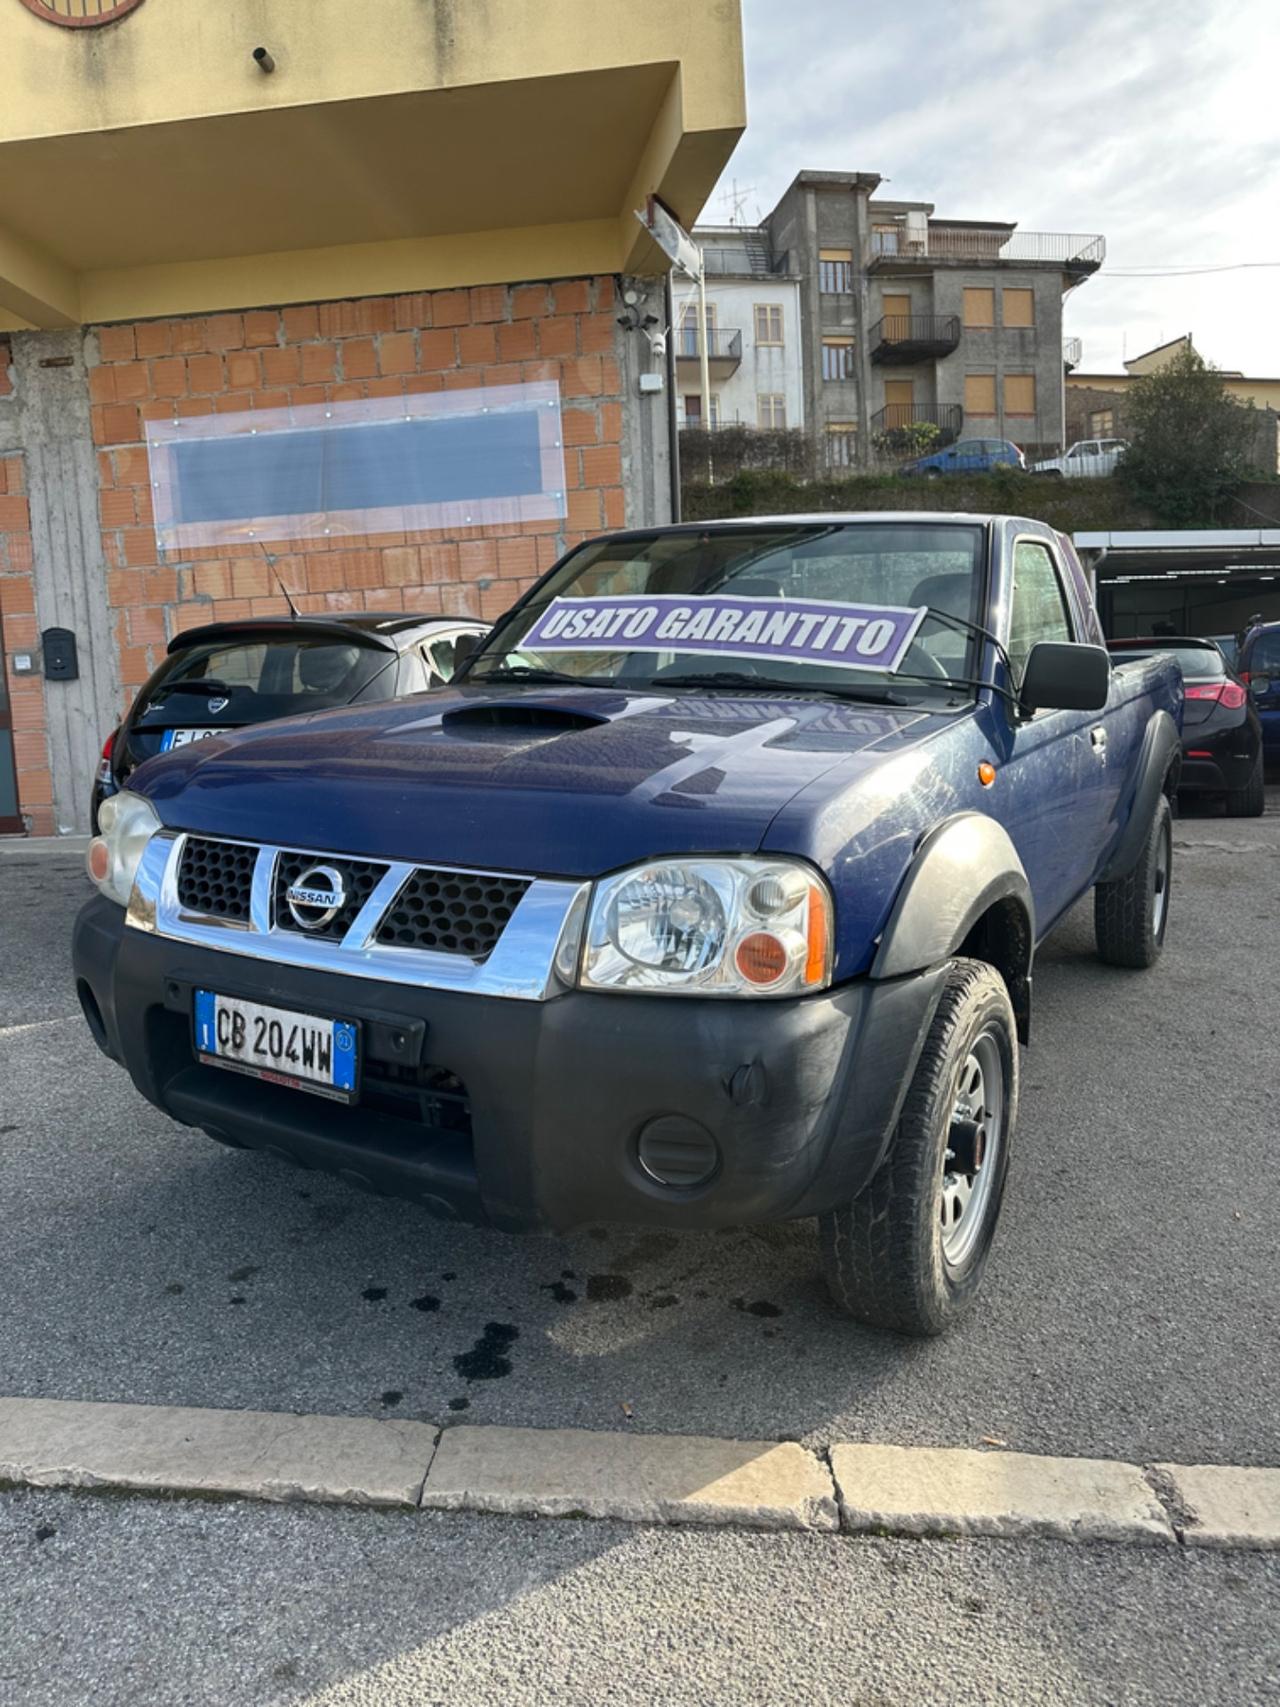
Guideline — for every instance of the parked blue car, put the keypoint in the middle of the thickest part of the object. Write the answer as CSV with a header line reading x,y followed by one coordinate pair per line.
x,y
1258,666
707,894
967,456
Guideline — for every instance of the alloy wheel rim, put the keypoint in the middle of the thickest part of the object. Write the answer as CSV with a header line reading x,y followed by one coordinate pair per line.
x,y
1161,884
971,1160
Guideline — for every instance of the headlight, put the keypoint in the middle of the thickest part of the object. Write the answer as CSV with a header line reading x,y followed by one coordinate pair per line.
x,y
126,824
710,927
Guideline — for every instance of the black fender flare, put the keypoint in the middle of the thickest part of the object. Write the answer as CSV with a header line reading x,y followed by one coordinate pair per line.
x,y
962,868
1161,753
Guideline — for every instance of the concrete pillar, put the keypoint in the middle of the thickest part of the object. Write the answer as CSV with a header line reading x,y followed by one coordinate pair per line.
x,y
52,427
646,415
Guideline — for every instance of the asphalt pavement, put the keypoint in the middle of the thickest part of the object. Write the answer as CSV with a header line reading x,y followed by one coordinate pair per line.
x,y
114,1603
1130,1309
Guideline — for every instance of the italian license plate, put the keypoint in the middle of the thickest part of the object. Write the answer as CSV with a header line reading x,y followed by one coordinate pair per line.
x,y
302,1051
184,737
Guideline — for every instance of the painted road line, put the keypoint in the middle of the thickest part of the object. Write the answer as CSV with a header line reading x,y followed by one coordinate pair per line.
x,y
638,1478
906,1490
1226,1505
264,1455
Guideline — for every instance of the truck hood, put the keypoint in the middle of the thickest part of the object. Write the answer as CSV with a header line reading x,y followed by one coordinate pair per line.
x,y
573,781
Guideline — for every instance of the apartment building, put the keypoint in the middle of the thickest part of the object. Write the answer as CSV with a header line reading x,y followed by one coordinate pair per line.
x,y
909,318
753,334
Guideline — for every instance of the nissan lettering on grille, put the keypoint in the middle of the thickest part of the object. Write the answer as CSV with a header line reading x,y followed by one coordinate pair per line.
x,y
317,898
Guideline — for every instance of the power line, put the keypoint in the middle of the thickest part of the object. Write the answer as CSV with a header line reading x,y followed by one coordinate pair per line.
x,y
1182,272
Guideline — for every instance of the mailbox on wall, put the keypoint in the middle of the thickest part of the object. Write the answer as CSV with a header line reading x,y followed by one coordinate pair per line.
x,y
60,661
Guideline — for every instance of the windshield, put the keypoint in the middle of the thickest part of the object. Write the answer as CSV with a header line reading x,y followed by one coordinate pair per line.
x,y
805,608
1194,660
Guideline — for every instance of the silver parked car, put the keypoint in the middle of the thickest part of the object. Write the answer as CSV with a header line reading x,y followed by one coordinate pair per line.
x,y
1088,458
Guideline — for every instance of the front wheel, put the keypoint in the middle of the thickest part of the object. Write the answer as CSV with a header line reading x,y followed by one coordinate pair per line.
x,y
908,1253
1130,914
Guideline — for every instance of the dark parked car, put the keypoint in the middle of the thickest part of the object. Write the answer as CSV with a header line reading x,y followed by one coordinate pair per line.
x,y
1221,732
228,675
1260,671
706,895
968,456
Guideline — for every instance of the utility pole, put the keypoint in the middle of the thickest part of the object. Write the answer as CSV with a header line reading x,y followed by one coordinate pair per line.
x,y
702,340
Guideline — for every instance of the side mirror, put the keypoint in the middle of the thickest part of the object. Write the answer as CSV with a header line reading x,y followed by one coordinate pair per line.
x,y
465,648
1064,675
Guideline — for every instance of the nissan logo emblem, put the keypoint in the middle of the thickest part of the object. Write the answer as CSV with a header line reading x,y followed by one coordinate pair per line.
x,y
317,897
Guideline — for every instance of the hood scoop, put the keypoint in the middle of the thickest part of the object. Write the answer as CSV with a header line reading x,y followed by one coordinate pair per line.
x,y
518,716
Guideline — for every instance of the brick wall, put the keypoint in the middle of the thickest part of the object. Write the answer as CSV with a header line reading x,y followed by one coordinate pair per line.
x,y
341,351
18,619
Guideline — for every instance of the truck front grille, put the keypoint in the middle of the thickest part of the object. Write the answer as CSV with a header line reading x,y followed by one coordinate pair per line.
x,y
434,910
359,879
216,878
452,912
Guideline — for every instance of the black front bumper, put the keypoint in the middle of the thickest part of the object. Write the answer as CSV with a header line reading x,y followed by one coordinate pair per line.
x,y
545,1103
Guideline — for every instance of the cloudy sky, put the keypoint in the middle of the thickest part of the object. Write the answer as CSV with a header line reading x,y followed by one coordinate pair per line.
x,y
1154,122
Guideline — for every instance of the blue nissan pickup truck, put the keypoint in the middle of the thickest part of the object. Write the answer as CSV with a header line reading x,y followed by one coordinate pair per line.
x,y
708,893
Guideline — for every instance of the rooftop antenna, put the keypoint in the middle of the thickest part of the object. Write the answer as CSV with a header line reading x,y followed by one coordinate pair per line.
x,y
737,200
275,576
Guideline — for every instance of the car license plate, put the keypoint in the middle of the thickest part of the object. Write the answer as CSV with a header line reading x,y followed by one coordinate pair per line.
x,y
303,1051
184,737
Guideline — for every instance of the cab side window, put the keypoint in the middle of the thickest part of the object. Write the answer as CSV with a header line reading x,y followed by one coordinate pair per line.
x,y
1040,609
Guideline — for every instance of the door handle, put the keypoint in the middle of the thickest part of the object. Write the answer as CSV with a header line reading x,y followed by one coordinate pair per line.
x,y
1098,740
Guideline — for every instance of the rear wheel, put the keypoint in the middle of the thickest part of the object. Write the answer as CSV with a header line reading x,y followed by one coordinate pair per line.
x,y
1130,914
909,1251
1249,801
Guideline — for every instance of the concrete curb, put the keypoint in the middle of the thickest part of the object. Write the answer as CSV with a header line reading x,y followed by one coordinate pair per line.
x,y
632,1478
638,1478
915,1490
262,1455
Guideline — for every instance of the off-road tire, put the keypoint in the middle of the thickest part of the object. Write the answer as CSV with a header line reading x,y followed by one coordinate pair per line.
x,y
1128,922
882,1254
1249,801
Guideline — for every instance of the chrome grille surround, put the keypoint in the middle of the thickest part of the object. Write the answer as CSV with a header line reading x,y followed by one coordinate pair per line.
x,y
520,965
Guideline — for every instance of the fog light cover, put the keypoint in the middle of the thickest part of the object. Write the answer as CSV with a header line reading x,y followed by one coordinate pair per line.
x,y
678,1152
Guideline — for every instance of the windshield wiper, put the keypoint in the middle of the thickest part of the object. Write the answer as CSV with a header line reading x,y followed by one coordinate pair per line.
x,y
532,673
767,684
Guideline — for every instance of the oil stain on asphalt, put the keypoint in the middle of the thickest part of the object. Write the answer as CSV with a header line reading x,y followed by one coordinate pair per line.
x,y
608,1288
488,1360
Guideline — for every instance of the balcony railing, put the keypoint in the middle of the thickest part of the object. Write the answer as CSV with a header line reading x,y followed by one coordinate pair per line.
x,y
724,344
1072,352
897,417
914,337
748,260
1075,252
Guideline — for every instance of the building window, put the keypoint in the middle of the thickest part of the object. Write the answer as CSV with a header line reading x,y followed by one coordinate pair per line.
x,y
842,444
885,239
771,409
979,394
1020,394
835,271
687,343
837,358
979,309
768,323
1102,423
693,409
1019,308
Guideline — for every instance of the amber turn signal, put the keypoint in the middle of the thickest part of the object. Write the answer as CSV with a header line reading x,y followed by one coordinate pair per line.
x,y
986,774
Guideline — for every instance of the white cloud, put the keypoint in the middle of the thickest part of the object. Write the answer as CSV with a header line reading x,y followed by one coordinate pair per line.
x,y
1154,122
